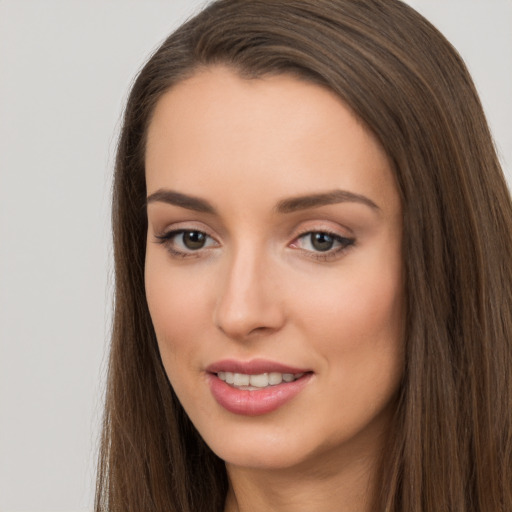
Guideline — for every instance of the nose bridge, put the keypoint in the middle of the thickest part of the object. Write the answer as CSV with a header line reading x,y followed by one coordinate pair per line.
x,y
247,301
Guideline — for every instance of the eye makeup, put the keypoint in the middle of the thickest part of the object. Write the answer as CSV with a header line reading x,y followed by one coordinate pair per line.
x,y
321,245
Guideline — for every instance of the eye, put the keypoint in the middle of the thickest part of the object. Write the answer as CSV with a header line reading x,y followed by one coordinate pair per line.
x,y
185,242
319,242
193,240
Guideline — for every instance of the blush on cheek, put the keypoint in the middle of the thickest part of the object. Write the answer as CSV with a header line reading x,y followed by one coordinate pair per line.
x,y
168,303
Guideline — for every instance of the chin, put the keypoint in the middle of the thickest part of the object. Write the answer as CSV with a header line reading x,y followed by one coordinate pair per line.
x,y
258,446
270,458
268,444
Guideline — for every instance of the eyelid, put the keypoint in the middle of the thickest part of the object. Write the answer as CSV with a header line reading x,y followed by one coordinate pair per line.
x,y
342,242
171,233
322,226
332,234
166,238
346,242
189,225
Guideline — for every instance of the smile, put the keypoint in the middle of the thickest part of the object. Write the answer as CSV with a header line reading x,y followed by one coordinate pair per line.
x,y
256,387
248,382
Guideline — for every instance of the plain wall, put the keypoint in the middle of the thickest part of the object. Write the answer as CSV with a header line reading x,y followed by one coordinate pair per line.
x,y
65,69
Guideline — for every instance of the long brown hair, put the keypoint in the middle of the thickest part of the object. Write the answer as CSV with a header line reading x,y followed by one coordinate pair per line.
x,y
451,446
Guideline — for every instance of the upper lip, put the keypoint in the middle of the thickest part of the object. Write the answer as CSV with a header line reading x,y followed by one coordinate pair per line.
x,y
253,367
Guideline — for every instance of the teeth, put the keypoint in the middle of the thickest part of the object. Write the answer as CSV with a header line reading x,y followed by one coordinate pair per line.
x,y
275,378
261,380
241,379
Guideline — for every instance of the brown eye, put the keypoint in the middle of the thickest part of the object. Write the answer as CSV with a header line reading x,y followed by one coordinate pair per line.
x,y
323,244
186,242
194,240
321,241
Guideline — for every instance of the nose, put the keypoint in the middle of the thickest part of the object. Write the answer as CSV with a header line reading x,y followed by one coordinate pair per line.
x,y
249,302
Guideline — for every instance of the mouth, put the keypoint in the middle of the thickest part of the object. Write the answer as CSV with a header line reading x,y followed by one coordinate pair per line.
x,y
256,387
248,382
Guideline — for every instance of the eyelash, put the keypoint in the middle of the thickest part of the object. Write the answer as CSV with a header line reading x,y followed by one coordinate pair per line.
x,y
330,254
167,239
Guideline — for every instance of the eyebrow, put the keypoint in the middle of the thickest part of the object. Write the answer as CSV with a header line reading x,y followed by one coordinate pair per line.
x,y
316,200
289,205
184,201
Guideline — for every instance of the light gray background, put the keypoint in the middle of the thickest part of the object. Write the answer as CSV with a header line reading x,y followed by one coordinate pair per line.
x,y
65,69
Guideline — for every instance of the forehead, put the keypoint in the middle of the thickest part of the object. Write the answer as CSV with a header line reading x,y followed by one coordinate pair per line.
x,y
276,135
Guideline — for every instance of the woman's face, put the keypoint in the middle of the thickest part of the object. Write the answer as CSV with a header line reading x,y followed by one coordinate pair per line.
x,y
274,269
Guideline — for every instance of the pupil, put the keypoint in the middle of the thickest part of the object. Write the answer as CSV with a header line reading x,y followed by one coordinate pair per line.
x,y
322,241
194,239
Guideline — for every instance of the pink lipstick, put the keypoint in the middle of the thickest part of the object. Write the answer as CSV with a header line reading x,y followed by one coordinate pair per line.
x,y
255,387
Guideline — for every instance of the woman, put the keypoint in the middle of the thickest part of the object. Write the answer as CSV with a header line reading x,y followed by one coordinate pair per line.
x,y
313,265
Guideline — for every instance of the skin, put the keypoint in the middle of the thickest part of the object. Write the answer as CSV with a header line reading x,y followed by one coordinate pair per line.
x,y
259,288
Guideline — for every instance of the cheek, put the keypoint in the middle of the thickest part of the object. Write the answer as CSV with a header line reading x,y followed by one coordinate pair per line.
x,y
174,315
177,306
356,307
356,323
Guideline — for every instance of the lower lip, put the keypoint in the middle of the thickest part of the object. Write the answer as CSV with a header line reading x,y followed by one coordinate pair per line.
x,y
255,402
